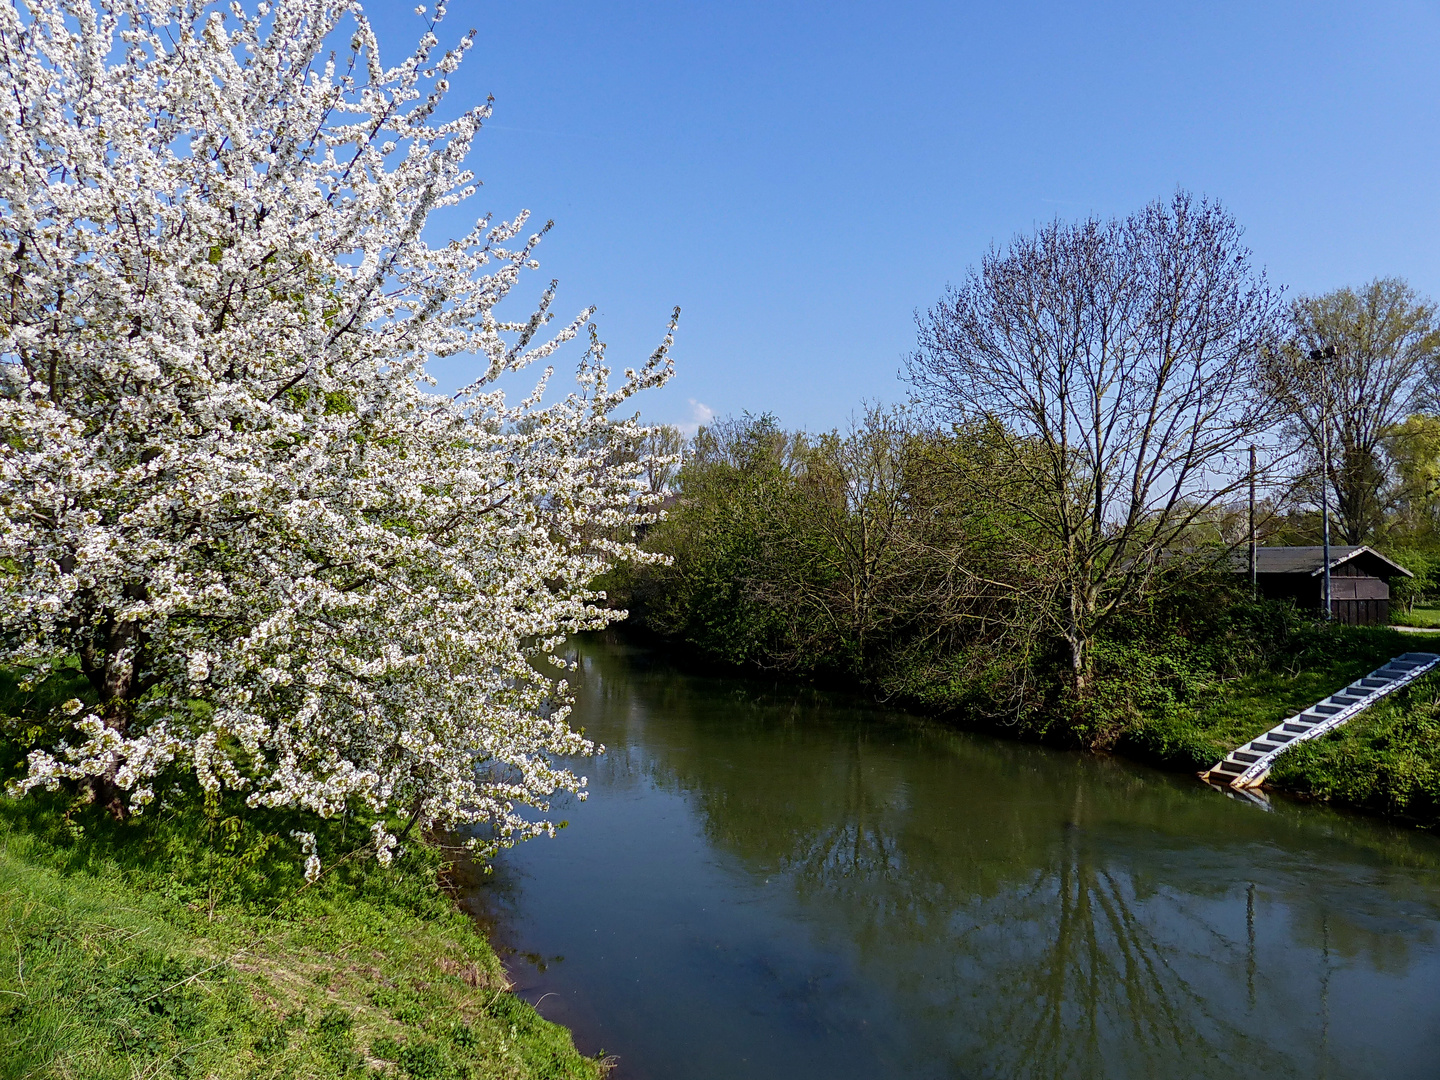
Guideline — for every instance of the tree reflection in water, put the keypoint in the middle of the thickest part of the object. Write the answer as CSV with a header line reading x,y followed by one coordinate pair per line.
x,y
1034,913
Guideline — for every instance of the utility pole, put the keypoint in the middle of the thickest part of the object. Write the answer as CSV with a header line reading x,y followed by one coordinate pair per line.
x,y
1254,570
1327,353
1325,514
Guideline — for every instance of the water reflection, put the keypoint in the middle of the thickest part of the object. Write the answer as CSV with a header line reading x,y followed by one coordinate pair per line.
x,y
783,882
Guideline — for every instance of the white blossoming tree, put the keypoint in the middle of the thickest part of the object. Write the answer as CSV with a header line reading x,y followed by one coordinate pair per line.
x,y
226,483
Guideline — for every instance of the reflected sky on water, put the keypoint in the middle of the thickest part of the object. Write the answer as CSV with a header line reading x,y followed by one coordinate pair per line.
x,y
773,881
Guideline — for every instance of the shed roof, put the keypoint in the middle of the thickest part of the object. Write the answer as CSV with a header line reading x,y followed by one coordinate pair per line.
x,y
1311,560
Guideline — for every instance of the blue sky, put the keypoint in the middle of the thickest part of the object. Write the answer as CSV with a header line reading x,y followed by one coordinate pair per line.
x,y
799,178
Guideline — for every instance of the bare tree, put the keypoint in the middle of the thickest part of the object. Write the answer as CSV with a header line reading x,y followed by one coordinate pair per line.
x,y
662,451
1350,370
851,520
1107,364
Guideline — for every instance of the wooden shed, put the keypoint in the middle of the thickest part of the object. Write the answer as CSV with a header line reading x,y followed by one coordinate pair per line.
x,y
1359,579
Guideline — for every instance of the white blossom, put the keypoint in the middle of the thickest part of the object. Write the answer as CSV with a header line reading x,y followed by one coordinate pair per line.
x,y
283,562
198,669
384,843
307,848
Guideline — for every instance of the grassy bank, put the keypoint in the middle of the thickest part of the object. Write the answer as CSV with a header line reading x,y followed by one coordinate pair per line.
x,y
1420,615
189,945
1386,761
1218,714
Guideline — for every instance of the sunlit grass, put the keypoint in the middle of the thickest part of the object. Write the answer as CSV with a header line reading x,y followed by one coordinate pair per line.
x,y
1387,759
186,942
160,949
1246,707
1416,616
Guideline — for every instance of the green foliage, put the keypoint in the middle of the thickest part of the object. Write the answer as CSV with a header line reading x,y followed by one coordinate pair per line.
x,y
836,555
1214,670
1405,592
29,704
1413,449
1160,672
736,483
862,556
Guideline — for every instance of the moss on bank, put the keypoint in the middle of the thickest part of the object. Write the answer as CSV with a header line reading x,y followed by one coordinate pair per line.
x,y
189,946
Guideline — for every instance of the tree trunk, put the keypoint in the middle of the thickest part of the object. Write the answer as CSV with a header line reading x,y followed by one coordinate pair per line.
x,y
114,677
1079,662
1077,635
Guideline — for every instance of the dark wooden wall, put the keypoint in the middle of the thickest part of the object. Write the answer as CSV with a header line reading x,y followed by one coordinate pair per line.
x,y
1360,612
1356,598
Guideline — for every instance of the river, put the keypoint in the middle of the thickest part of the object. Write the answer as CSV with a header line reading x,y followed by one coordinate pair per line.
x,y
770,881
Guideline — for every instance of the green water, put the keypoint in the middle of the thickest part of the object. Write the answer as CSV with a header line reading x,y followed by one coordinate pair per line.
x,y
769,881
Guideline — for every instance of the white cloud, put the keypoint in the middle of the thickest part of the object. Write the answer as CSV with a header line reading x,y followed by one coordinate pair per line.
x,y
700,415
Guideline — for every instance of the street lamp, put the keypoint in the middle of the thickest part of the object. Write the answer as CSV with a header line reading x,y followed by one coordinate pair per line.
x,y
1327,353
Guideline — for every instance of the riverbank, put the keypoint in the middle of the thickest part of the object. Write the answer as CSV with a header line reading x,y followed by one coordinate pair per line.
x,y
1183,711
134,949
1218,713
1386,761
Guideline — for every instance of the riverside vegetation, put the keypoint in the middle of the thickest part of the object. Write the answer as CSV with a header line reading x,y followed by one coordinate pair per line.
x,y
1044,541
859,557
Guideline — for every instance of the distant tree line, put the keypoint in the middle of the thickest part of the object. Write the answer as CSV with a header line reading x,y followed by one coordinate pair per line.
x,y
1067,485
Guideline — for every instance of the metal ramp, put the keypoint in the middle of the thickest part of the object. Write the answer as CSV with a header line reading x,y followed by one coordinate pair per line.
x,y
1255,797
1246,766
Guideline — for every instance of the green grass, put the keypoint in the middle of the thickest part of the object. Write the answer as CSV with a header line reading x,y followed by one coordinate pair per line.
x,y
1386,760
186,943
1245,707
1227,713
1417,616
187,946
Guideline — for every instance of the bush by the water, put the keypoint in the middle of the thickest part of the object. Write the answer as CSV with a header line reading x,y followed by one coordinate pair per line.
x,y
861,557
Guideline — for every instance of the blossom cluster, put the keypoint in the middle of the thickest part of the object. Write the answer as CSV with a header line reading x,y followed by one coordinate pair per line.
x,y
227,484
